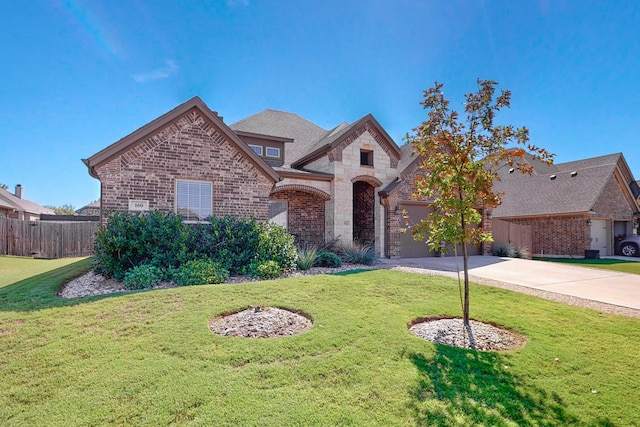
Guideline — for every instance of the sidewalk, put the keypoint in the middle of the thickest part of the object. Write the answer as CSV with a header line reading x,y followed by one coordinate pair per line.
x,y
610,287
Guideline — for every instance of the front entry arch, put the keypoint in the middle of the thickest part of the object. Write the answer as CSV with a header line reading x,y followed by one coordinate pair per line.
x,y
364,221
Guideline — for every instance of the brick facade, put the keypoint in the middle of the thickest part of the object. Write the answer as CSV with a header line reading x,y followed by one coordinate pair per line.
x,y
190,148
305,214
558,235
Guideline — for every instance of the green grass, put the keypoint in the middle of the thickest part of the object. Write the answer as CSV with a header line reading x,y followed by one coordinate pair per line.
x,y
603,263
148,358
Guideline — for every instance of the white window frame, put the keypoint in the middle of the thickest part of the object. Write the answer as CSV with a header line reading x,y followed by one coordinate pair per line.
x,y
277,149
258,149
197,201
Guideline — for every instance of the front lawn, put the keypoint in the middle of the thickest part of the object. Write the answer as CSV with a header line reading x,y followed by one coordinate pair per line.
x,y
148,358
604,263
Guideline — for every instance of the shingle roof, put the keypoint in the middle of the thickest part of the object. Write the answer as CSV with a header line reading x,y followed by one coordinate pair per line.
x,y
554,189
279,123
19,204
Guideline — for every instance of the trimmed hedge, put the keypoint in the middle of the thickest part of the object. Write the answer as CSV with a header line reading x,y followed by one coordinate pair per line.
x,y
164,241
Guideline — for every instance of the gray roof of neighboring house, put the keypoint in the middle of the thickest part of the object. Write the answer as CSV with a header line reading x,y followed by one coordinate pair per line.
x,y
279,123
575,188
92,205
18,204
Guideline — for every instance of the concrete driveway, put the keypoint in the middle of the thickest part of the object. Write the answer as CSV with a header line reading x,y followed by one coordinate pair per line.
x,y
605,286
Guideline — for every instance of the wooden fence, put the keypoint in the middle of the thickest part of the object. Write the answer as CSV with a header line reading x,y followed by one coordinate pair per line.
x,y
47,239
515,234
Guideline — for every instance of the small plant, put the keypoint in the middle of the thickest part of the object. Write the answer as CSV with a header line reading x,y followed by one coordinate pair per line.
x,y
521,252
200,272
266,269
307,257
144,276
503,250
356,254
328,259
275,244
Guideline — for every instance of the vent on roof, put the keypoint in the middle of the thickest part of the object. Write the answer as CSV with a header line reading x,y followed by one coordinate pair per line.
x,y
574,173
511,170
552,177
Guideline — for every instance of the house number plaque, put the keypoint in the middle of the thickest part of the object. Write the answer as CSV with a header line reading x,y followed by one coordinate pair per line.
x,y
139,205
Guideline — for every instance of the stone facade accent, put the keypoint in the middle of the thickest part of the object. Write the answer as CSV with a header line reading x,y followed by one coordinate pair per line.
x,y
335,154
190,148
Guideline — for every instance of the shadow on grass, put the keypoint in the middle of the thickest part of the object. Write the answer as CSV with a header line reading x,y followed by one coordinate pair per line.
x,y
349,272
40,291
463,387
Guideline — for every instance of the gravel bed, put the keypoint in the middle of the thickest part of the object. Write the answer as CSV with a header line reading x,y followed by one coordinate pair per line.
x,y
478,336
260,322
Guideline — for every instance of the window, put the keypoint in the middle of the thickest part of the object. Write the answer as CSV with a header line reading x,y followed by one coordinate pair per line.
x,y
366,158
278,212
256,148
193,200
273,152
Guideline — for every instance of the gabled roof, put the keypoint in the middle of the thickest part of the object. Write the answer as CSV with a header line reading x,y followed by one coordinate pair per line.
x,y
572,187
334,137
194,103
22,205
283,125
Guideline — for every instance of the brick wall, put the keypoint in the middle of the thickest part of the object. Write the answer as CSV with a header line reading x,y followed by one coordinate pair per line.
x,y
305,217
191,148
558,235
363,213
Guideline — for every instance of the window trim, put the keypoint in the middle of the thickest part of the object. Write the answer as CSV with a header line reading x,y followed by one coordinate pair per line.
x,y
285,211
176,207
260,147
266,152
369,154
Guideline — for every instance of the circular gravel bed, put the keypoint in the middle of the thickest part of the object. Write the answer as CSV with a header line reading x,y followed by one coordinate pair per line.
x,y
261,322
478,336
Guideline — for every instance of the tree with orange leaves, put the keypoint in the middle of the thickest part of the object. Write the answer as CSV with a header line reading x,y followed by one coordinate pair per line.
x,y
459,162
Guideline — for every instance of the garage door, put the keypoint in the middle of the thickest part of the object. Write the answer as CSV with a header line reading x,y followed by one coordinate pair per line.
x,y
411,248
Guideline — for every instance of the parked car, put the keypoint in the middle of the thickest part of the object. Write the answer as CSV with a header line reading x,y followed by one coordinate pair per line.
x,y
630,246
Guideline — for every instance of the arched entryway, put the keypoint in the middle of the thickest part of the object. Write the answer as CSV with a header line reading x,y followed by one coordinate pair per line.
x,y
364,219
300,209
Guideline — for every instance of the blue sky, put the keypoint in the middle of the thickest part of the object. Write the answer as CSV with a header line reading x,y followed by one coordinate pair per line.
x,y
79,75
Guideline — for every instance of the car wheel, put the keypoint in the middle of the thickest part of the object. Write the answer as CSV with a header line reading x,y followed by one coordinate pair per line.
x,y
629,249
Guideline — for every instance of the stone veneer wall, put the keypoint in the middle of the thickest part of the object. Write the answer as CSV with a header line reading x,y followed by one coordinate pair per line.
x,y
191,148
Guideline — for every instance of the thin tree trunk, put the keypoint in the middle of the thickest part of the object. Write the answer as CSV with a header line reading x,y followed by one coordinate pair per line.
x,y
465,260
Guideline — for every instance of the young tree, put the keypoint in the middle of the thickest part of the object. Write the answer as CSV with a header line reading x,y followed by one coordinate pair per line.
x,y
459,164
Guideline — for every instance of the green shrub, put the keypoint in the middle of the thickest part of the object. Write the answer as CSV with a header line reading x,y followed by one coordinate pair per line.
x,y
307,257
357,254
231,240
266,269
503,250
143,276
200,272
328,259
131,240
275,244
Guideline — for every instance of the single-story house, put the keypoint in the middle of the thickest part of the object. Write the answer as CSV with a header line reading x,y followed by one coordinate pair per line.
x,y
572,207
351,182
15,206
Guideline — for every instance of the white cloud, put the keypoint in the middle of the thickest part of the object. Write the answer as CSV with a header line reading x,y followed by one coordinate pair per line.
x,y
169,68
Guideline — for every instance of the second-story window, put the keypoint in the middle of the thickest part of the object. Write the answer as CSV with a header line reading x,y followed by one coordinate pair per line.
x,y
366,158
273,152
256,148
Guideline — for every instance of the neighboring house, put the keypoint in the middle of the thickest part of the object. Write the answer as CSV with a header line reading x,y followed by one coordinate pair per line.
x,y
14,206
92,209
571,207
351,182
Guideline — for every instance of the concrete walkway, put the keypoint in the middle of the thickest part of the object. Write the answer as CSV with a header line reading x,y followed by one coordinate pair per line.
x,y
621,289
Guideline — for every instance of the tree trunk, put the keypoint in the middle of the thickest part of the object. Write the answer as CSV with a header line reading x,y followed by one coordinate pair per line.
x,y
465,260
465,308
